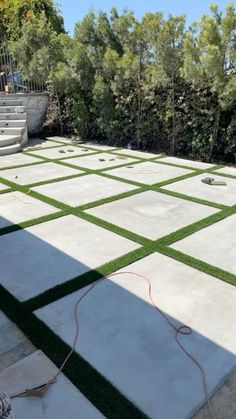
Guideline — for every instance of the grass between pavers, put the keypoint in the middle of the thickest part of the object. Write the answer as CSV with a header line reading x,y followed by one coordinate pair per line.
x,y
197,264
81,281
96,388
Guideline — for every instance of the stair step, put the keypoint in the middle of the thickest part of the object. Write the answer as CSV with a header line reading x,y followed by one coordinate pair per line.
x,y
10,116
13,123
6,140
11,109
10,102
10,149
11,131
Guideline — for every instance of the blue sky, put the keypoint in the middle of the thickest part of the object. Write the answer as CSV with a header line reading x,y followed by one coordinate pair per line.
x,y
74,10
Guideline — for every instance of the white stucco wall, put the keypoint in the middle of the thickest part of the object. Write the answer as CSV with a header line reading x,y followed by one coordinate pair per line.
x,y
36,104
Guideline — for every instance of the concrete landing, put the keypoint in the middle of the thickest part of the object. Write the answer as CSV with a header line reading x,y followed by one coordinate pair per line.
x,y
225,195
142,358
62,399
152,214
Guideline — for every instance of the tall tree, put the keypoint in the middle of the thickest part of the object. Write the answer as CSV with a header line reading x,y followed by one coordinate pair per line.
x,y
167,64
210,58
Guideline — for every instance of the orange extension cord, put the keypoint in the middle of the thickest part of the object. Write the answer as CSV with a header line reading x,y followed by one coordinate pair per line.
x,y
182,330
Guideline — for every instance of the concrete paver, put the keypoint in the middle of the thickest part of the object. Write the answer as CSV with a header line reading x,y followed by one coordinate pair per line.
x,y
152,214
149,172
194,186
45,255
38,173
215,244
82,190
142,358
17,207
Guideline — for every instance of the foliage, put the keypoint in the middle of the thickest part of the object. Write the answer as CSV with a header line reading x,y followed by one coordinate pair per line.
x,y
149,83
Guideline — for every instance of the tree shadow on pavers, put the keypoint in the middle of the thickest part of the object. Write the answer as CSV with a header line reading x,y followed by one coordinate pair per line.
x,y
121,335
40,257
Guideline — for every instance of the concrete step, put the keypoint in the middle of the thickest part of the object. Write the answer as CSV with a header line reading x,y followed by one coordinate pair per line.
x,y
11,131
6,140
11,109
10,116
13,123
10,149
10,102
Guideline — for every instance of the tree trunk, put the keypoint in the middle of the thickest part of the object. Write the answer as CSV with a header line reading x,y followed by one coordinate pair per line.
x,y
215,130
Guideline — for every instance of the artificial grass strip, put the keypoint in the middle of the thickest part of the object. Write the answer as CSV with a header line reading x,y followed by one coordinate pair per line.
x,y
197,264
195,227
96,388
110,199
81,281
190,198
29,223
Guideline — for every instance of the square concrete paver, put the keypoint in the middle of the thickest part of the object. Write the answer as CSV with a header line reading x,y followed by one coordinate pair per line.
x,y
63,399
225,195
17,159
215,244
16,207
38,173
127,340
40,257
100,161
152,214
185,162
149,172
137,153
82,190
227,170
62,152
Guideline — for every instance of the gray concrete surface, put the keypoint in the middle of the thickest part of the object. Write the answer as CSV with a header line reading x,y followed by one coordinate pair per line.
x,y
100,161
38,173
62,152
228,170
215,244
40,143
185,162
14,346
45,255
194,187
128,341
16,160
152,214
82,190
223,402
62,399
17,207
149,172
